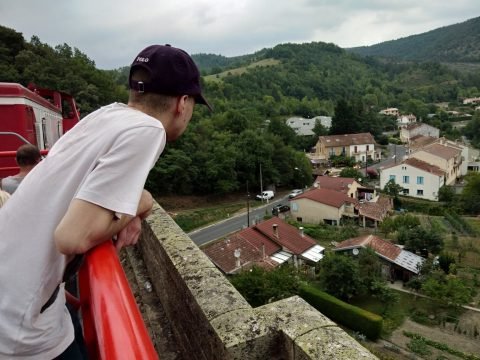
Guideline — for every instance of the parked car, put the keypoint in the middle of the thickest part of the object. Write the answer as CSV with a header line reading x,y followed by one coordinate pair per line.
x,y
295,193
280,209
266,195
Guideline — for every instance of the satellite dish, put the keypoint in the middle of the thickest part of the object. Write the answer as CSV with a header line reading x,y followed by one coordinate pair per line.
x,y
355,251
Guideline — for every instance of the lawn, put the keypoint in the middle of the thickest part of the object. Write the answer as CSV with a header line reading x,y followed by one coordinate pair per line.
x,y
192,219
417,308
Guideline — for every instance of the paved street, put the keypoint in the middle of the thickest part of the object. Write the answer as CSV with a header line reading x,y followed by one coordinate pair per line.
x,y
235,223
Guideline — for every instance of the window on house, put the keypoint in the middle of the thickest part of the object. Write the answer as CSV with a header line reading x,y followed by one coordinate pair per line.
x,y
406,179
392,177
420,180
299,219
331,151
355,149
368,147
420,192
406,191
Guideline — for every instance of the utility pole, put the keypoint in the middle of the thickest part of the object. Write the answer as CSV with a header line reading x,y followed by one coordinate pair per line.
x,y
248,206
261,182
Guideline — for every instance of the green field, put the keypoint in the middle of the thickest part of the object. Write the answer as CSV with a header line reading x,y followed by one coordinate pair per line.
x,y
241,70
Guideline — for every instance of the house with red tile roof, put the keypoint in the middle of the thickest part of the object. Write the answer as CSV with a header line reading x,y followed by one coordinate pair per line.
x,y
375,211
396,262
361,146
417,178
347,186
322,206
266,244
418,128
445,156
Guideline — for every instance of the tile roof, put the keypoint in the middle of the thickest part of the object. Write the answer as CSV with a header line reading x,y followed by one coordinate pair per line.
x,y
422,165
444,151
347,139
327,197
419,141
334,183
385,249
419,164
288,237
380,246
221,253
373,210
250,242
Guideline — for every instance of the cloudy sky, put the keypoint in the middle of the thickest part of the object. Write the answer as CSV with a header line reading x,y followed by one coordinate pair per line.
x,y
111,32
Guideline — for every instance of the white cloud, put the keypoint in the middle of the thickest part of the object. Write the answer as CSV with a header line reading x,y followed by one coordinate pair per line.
x,y
112,32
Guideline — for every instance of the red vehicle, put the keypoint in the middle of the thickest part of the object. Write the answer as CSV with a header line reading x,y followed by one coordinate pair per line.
x,y
32,115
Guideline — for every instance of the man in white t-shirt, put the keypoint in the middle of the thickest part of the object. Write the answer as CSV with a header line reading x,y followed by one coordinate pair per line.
x,y
88,189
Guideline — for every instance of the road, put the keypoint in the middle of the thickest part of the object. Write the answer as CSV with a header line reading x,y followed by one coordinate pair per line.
x,y
235,223
396,154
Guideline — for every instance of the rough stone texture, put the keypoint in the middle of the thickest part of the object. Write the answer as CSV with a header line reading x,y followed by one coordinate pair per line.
x,y
211,320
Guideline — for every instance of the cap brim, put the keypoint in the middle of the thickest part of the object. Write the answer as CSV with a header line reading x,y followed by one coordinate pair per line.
x,y
199,99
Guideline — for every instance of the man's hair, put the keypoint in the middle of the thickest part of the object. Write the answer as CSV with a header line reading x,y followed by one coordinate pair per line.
x,y
154,101
28,155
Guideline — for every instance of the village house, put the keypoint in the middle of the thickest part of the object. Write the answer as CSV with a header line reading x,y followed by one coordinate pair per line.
x,y
267,244
475,100
322,206
417,178
371,209
347,186
405,120
444,156
397,264
390,112
375,211
412,130
304,127
359,146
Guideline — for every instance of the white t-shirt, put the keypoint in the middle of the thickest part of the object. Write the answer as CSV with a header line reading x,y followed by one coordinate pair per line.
x,y
105,160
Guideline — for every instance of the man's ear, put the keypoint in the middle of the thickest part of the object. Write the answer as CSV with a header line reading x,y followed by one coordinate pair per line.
x,y
181,103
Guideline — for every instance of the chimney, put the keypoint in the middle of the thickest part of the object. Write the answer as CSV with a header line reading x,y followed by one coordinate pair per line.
x,y
236,254
275,230
301,231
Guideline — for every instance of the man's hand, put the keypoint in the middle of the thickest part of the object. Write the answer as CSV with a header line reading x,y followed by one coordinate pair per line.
x,y
145,205
129,234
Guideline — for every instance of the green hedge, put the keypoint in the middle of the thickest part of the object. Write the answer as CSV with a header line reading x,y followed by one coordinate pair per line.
x,y
353,317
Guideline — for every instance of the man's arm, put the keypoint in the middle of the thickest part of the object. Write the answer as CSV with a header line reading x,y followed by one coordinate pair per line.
x,y
86,225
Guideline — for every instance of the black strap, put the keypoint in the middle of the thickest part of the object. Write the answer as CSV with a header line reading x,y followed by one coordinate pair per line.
x,y
50,300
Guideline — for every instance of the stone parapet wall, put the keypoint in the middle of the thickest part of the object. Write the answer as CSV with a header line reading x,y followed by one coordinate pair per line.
x,y
211,320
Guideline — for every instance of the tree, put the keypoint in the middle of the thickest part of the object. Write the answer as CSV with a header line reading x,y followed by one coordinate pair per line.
x,y
417,239
450,290
446,193
445,260
339,275
349,172
471,194
392,189
259,286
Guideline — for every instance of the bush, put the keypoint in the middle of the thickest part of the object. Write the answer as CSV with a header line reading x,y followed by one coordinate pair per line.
x,y
351,316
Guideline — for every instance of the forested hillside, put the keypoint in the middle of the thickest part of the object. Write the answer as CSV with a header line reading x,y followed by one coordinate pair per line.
x,y
454,43
223,151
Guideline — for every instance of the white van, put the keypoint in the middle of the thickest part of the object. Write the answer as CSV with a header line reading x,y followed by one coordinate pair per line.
x,y
266,195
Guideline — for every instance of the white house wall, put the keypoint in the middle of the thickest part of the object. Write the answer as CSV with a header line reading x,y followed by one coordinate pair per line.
x,y
431,182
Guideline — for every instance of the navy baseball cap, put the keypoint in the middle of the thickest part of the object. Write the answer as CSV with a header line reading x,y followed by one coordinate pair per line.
x,y
172,72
